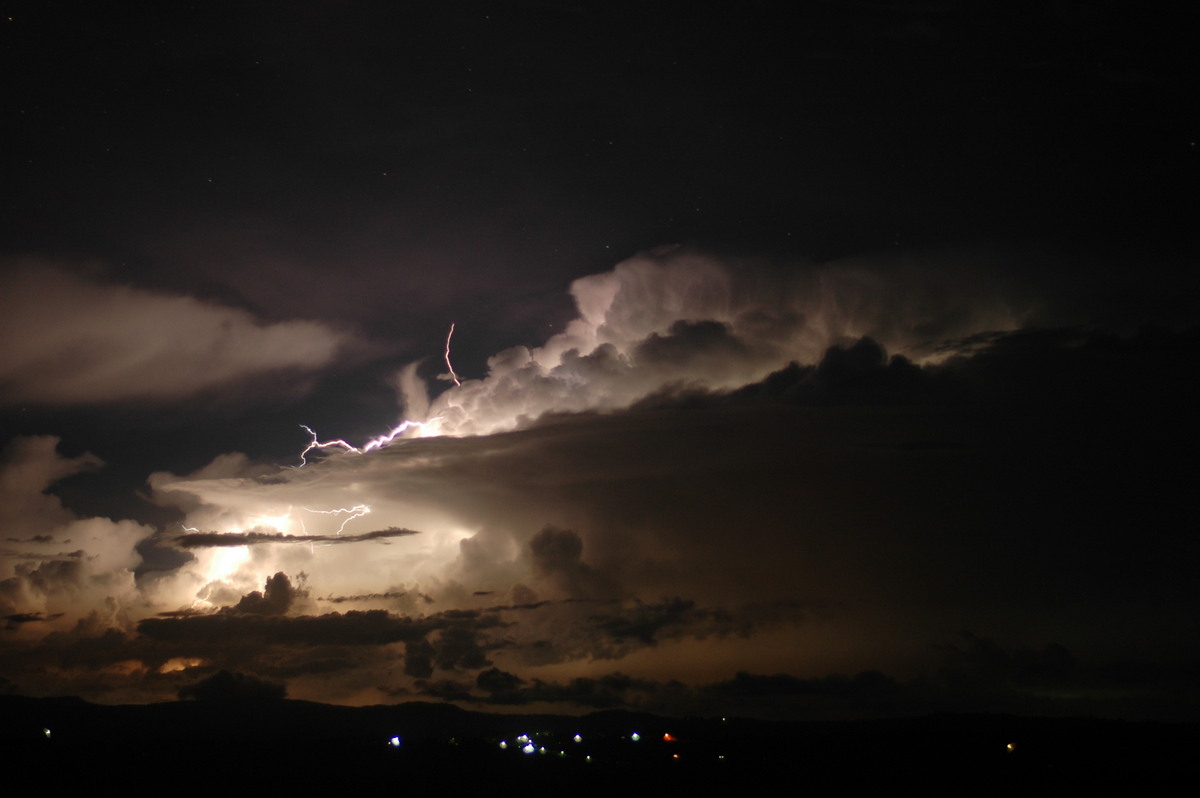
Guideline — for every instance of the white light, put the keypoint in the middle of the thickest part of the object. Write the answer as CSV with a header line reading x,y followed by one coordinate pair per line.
x,y
394,742
504,743
47,733
635,737
578,738
225,561
528,749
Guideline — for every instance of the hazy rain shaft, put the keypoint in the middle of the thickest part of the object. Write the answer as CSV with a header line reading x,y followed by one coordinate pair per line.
x,y
672,488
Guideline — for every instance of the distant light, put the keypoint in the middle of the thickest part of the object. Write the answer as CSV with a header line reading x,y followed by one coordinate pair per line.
x,y
504,743
542,750
524,738
589,757
47,733
635,737
394,742
578,738
668,738
528,749
1011,747
674,756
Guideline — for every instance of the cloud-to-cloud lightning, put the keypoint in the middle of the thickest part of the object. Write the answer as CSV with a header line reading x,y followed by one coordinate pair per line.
x,y
375,443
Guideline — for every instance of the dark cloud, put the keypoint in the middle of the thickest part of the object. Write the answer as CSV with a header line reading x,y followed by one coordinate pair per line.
x,y
367,597
1067,693
494,680
226,687
367,628
644,622
418,658
196,540
556,550
16,619
871,686
458,648
275,599
605,692
557,556
257,628
446,690
687,344
856,373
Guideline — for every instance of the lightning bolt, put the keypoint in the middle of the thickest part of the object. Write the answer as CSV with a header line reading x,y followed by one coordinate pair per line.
x,y
357,511
450,335
382,440
374,443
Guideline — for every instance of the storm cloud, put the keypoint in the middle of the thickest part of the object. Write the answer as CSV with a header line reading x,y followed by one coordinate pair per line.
x,y
714,487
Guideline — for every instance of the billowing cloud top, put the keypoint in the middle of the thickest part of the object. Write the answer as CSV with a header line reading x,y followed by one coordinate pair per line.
x,y
71,340
674,319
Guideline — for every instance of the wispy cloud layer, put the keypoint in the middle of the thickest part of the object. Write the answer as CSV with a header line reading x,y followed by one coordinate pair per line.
x,y
72,340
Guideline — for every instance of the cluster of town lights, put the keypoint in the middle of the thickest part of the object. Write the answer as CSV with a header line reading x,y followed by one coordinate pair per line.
x,y
527,745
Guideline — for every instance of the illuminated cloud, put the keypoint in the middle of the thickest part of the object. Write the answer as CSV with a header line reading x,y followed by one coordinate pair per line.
x,y
72,340
57,568
675,320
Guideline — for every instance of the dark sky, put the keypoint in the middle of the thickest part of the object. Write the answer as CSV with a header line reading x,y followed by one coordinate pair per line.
x,y
820,359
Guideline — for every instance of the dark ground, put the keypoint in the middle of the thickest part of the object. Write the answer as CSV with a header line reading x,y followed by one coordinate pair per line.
x,y
199,746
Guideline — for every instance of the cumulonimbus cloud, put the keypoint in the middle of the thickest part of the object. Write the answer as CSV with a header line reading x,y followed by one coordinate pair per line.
x,y
72,340
838,512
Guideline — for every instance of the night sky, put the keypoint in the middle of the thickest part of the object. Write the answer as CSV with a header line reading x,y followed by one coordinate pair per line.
x,y
809,360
